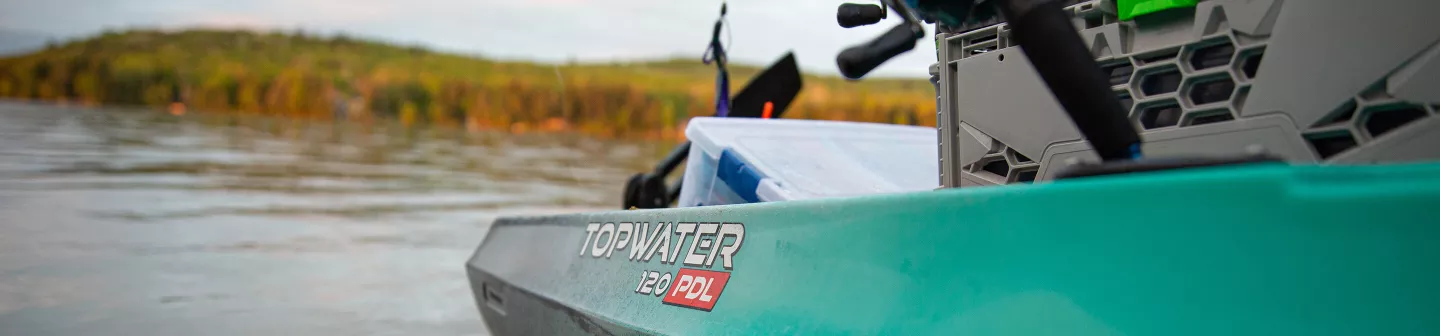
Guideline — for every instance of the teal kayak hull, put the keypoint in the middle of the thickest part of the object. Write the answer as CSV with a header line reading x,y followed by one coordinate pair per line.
x,y
1265,249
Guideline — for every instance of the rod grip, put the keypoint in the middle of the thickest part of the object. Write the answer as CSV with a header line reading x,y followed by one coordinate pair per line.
x,y
859,60
1048,38
851,15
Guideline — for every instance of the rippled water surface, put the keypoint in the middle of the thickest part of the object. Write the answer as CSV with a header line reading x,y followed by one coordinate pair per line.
x,y
136,222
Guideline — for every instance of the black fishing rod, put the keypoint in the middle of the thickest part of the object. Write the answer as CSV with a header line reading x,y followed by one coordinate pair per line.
x,y
765,96
1046,36
648,190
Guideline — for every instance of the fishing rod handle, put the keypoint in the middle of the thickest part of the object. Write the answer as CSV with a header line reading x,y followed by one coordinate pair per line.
x,y
1046,36
859,60
851,15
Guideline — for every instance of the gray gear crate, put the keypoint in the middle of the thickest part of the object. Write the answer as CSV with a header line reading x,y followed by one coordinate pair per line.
x,y
1309,81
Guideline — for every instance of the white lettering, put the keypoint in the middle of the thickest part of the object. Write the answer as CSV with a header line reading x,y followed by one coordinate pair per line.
x,y
649,282
622,238
643,274
607,231
663,248
705,293
682,284
664,284
727,252
589,231
682,229
642,240
699,242
709,243
697,287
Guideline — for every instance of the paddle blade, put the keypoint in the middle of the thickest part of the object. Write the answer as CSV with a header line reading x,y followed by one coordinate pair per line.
x,y
777,85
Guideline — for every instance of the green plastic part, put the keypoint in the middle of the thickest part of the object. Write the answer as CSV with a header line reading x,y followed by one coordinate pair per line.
x,y
1246,250
1129,9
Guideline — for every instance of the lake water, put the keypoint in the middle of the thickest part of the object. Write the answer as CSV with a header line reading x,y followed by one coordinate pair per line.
x,y
136,222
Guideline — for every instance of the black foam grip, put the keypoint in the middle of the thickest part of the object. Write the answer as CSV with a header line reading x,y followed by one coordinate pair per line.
x,y
857,61
855,15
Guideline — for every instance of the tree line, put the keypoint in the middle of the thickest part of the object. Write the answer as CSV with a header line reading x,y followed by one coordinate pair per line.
x,y
300,75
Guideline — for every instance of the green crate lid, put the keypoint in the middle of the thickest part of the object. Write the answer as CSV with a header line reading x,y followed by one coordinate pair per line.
x,y
1129,9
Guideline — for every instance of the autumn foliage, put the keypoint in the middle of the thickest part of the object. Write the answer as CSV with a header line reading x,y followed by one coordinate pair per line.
x,y
294,74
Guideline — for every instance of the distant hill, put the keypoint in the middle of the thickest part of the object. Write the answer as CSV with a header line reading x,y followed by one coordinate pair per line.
x,y
306,76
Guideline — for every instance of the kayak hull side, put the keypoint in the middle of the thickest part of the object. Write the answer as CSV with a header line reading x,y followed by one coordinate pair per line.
x,y
1247,250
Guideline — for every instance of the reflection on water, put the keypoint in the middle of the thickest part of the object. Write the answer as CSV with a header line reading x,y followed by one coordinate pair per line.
x,y
141,222
301,167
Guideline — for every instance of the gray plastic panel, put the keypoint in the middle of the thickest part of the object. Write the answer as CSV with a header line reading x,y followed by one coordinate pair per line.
x,y
1063,155
1021,98
947,123
1106,41
1323,52
1273,134
1163,31
1256,17
973,144
940,130
1419,81
1418,141
1310,81
970,180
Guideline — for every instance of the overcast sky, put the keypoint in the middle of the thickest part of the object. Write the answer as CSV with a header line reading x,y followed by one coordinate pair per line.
x,y
543,30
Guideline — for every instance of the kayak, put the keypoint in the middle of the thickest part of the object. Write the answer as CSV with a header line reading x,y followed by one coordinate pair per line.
x,y
1134,168
1261,249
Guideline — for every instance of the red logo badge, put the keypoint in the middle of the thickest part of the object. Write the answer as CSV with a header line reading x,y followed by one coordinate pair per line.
x,y
697,289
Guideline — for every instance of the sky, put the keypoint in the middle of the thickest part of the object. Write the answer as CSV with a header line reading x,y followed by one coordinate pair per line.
x,y
539,30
